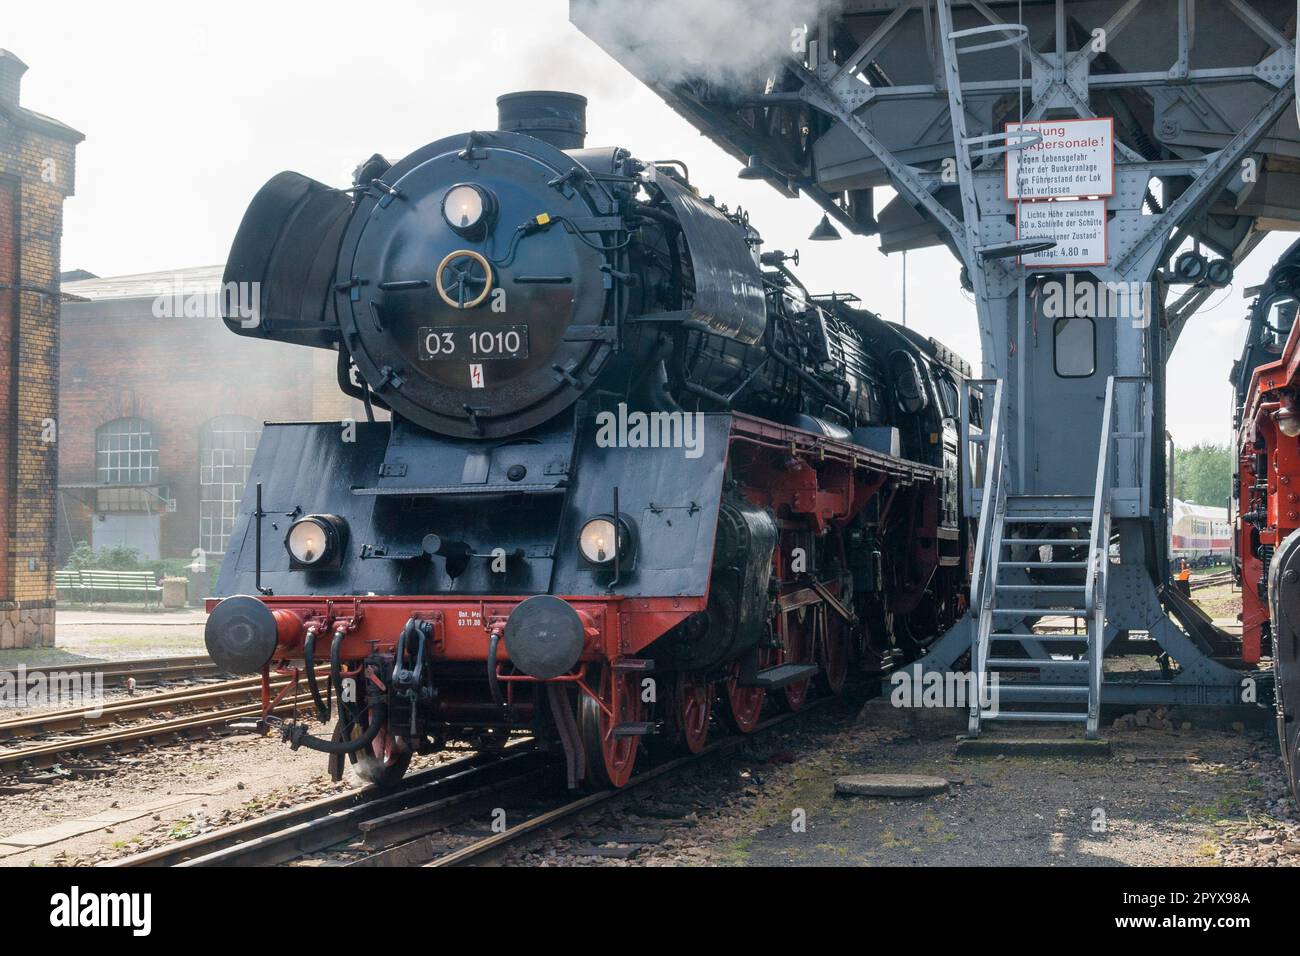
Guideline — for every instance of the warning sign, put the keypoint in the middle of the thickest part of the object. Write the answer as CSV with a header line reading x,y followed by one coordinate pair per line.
x,y
1074,159
1078,228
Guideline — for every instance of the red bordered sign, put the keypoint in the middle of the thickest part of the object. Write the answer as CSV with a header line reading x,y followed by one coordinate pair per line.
x,y
1074,160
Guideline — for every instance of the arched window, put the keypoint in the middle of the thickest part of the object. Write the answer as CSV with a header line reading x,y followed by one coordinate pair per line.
x,y
226,446
126,452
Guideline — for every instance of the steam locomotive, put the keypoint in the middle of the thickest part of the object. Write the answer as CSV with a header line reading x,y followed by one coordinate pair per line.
x,y
633,476
1265,489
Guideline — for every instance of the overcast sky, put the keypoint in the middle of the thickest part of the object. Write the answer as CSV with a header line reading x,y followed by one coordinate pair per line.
x,y
188,108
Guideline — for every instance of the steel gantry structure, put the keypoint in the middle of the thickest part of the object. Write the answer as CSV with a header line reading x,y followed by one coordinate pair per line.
x,y
1066,464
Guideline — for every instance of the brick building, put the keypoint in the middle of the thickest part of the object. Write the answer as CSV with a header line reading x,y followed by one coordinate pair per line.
x,y
37,156
160,408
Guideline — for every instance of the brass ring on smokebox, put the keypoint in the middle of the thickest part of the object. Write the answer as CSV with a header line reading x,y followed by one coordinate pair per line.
x,y
487,278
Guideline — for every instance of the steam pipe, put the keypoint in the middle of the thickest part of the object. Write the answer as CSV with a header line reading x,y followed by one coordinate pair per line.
x,y
297,735
323,709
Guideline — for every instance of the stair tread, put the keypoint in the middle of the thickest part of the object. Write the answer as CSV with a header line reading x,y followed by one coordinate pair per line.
x,y
1062,690
1063,542
1011,636
1047,518
1043,715
1042,611
992,663
1074,586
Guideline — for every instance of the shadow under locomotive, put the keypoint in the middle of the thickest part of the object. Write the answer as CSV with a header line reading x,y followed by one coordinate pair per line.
x,y
777,506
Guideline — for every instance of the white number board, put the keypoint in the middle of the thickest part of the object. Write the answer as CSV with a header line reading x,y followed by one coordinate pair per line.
x,y
1078,227
1076,158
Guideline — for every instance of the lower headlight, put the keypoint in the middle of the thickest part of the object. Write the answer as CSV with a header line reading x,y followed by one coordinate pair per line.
x,y
598,539
315,541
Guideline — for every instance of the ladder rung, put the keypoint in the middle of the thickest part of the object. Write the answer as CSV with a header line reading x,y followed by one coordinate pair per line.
x,y
1043,715
1128,434
1042,565
993,663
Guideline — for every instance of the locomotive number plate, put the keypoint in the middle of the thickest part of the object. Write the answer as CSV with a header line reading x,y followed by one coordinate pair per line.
x,y
460,344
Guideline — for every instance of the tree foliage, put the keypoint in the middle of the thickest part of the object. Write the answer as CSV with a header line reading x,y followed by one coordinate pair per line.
x,y
1203,474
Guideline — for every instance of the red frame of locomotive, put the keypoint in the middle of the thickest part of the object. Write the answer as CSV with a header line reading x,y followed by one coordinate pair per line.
x,y
1272,385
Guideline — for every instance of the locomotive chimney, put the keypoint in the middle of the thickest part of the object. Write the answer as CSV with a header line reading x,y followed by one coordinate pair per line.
x,y
558,118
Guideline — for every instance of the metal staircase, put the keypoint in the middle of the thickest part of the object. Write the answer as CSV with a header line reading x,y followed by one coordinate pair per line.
x,y
1042,565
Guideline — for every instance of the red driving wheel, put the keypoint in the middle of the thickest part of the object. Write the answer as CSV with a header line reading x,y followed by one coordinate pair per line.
x,y
797,626
742,706
833,653
610,758
692,708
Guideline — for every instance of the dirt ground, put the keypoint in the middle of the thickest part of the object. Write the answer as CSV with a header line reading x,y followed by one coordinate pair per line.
x,y
1203,796
1195,798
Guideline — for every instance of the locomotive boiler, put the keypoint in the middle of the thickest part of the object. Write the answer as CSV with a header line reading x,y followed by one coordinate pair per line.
x,y
631,468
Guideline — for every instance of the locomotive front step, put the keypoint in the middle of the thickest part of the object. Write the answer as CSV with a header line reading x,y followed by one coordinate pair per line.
x,y
637,728
781,675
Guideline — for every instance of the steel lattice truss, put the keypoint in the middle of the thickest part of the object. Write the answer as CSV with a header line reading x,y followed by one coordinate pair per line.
x,y
1194,87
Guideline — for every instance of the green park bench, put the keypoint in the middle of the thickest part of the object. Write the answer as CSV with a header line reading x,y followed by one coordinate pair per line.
x,y
93,586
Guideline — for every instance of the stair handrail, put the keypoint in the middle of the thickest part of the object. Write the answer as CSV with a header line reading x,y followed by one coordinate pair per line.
x,y
983,576
1099,544
994,466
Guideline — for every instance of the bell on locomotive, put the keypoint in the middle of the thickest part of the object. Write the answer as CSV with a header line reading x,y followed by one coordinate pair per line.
x,y
477,557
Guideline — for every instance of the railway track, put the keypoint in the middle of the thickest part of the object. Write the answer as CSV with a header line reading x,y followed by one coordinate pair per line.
x,y
219,705
147,670
74,719
1212,580
443,816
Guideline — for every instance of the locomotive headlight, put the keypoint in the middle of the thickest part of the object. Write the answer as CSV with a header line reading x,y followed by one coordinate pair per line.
x,y
1288,421
315,541
598,539
468,209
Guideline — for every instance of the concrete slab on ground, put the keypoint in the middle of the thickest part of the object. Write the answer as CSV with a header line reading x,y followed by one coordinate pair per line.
x,y
890,785
1033,747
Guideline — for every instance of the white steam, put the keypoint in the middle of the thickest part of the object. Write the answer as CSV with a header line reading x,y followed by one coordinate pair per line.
x,y
728,42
